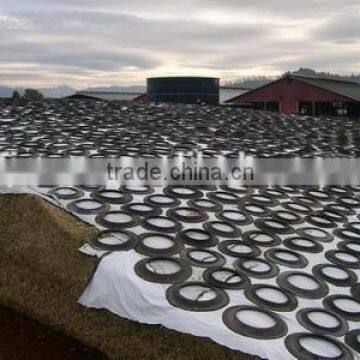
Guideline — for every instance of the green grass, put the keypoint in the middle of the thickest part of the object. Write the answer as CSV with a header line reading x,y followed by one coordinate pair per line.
x,y
42,275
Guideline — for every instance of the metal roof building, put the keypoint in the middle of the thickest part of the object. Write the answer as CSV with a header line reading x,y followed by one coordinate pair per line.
x,y
294,94
108,95
225,94
229,92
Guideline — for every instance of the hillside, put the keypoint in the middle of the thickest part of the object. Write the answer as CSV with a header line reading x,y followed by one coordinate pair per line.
x,y
62,91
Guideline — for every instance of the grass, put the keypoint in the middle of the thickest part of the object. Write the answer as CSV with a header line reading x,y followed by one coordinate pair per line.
x,y
42,275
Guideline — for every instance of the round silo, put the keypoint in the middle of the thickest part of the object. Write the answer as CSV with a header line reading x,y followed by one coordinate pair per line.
x,y
186,90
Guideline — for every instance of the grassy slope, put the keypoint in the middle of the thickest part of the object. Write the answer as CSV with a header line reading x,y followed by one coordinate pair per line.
x,y
43,274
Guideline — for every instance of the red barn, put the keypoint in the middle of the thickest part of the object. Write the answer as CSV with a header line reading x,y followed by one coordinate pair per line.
x,y
294,94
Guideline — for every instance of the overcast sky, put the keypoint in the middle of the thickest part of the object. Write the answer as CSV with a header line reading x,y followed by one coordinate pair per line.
x,y
102,42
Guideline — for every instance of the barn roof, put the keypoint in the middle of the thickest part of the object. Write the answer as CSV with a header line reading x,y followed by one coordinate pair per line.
x,y
345,88
342,87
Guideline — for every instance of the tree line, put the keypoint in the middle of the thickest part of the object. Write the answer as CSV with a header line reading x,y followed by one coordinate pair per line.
x,y
29,94
251,82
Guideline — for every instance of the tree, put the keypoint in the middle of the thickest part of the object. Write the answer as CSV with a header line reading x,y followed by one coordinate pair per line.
x,y
15,95
33,94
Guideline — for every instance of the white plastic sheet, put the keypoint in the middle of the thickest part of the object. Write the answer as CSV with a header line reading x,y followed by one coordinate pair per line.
x,y
117,288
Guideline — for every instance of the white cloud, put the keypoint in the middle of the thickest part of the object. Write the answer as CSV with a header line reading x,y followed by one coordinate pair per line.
x,y
123,42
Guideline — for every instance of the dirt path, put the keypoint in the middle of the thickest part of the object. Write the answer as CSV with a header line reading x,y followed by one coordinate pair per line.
x,y
24,339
